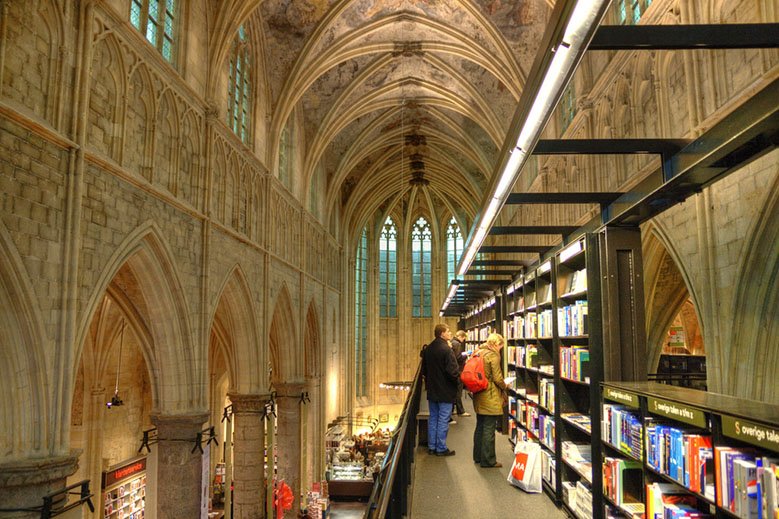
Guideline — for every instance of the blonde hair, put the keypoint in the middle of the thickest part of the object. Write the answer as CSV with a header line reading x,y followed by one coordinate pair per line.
x,y
495,339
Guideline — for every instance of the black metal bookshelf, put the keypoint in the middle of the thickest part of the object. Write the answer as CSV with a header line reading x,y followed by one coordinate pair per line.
x,y
734,426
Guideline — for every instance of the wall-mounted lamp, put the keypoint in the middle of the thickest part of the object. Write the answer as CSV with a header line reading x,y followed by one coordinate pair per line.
x,y
115,400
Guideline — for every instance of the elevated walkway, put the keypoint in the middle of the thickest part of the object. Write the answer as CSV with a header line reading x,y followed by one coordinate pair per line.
x,y
455,487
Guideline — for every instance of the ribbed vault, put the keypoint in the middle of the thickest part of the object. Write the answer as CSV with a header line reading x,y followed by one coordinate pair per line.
x,y
388,96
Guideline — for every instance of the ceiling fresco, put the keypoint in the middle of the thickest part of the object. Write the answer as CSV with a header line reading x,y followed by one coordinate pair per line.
x,y
393,96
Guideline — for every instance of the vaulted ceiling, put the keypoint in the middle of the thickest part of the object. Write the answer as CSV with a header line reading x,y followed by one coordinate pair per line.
x,y
397,98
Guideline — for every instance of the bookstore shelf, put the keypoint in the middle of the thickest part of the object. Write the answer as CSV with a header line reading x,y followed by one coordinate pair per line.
x,y
621,451
722,450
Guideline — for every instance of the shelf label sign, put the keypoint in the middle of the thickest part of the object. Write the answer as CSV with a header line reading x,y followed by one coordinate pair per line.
x,y
622,397
750,432
678,412
128,471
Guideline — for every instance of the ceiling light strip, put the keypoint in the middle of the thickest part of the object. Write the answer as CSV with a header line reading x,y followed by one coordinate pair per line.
x,y
572,26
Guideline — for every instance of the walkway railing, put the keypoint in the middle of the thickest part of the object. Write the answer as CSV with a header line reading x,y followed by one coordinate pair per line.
x,y
389,498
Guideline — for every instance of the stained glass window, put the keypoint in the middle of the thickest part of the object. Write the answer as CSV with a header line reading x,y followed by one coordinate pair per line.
x,y
239,87
361,315
421,269
156,19
388,270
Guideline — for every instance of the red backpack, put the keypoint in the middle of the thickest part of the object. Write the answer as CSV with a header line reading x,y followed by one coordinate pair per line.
x,y
473,376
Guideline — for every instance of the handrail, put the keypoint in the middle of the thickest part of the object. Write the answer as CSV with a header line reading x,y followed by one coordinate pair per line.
x,y
389,497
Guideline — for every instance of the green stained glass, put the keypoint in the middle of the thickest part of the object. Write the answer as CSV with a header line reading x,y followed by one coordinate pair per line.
x,y
154,9
151,33
135,14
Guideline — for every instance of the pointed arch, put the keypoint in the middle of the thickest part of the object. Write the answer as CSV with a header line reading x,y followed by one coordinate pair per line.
x,y
144,262
106,89
234,318
166,139
756,305
667,286
285,357
313,343
24,417
138,121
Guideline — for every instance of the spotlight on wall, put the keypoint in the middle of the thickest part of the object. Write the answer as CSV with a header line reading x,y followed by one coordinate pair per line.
x,y
115,400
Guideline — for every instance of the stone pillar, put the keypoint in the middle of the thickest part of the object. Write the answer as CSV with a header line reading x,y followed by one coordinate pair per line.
x,y
289,442
179,470
248,455
23,483
93,450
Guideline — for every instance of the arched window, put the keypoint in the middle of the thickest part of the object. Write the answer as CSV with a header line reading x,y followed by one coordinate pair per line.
x,y
361,315
421,267
239,87
454,249
388,281
156,19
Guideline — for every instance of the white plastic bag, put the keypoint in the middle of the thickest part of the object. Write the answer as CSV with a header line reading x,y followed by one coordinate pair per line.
x,y
525,472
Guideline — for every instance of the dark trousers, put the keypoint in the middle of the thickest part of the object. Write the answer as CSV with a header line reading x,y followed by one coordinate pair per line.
x,y
458,404
484,440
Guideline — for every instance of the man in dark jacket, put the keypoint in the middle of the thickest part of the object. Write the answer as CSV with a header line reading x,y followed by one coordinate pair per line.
x,y
458,347
441,375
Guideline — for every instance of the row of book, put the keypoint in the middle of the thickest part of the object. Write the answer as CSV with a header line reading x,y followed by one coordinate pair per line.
x,y
575,363
514,327
617,481
546,430
546,390
576,283
579,456
478,334
683,455
667,501
622,429
549,469
583,421
572,319
747,483
578,497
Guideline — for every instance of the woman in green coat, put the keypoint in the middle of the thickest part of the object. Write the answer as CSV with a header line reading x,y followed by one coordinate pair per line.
x,y
488,404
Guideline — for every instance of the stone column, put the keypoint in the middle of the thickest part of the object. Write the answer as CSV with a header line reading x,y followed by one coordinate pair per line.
x,y
289,441
179,470
248,455
93,455
23,483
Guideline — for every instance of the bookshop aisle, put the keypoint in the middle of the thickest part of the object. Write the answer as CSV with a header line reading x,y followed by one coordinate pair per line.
x,y
455,487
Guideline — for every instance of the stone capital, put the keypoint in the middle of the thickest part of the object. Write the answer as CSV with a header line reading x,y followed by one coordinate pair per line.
x,y
179,427
34,471
243,403
289,389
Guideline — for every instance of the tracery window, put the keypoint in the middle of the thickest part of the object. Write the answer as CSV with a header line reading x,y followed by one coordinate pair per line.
x,y
388,269
239,87
421,269
454,249
156,19
361,316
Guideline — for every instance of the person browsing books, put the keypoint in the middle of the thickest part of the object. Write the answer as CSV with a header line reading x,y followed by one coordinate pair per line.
x,y
458,347
441,373
488,403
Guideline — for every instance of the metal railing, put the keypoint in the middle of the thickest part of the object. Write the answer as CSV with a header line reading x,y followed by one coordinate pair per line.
x,y
389,498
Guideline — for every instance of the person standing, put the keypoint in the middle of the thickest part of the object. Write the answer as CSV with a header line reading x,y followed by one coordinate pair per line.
x,y
458,347
488,404
441,375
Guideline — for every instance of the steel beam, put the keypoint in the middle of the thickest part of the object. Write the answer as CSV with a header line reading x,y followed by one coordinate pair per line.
x,y
513,249
563,198
532,229
703,36
609,146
